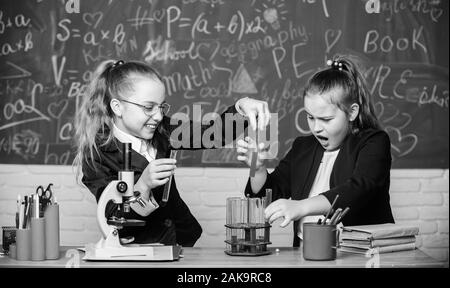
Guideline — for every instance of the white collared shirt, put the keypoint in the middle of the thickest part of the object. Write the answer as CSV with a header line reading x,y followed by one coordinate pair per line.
x,y
137,144
321,184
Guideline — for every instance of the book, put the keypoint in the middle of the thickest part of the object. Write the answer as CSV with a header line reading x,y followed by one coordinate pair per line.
x,y
371,243
378,231
351,248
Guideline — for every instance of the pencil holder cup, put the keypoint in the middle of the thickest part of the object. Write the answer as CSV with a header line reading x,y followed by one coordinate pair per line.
x,y
23,244
319,241
52,231
37,239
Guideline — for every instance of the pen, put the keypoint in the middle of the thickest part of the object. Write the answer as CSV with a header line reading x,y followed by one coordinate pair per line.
x,y
335,216
331,208
18,211
342,215
27,212
24,219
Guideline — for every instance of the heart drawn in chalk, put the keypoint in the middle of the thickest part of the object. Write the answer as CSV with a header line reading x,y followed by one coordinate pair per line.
x,y
92,19
56,109
158,15
331,38
386,113
379,109
401,144
391,115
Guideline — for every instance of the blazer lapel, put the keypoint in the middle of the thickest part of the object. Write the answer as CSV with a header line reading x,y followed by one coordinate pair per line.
x,y
138,162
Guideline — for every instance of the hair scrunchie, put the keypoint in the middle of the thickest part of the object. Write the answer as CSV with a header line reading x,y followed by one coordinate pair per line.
x,y
335,64
118,63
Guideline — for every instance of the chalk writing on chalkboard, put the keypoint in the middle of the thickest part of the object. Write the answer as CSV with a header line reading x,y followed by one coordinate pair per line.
x,y
213,52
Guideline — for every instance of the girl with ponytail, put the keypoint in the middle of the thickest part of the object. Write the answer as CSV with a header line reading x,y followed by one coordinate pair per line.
x,y
346,159
126,103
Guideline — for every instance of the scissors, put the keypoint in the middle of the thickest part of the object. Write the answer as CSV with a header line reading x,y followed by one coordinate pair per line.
x,y
46,195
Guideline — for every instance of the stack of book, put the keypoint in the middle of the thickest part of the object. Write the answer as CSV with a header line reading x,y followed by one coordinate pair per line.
x,y
380,238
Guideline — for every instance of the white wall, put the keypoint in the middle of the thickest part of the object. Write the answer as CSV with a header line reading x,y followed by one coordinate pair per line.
x,y
418,197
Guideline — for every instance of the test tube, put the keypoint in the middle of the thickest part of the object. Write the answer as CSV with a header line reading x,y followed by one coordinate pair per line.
x,y
254,156
268,200
231,232
165,197
234,220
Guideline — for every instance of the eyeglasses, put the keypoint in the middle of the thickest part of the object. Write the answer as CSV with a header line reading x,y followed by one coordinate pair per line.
x,y
151,110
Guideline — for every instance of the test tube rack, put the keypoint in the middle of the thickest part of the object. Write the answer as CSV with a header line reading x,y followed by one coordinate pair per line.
x,y
248,234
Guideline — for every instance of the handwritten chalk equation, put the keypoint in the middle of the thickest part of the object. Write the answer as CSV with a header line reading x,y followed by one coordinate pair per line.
x,y
24,144
237,25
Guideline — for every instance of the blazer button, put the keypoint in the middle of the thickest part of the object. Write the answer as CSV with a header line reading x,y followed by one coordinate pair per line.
x,y
168,222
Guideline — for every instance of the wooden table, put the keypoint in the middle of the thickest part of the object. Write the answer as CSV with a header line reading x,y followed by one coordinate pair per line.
x,y
283,257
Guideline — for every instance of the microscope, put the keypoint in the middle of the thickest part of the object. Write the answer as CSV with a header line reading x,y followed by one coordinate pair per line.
x,y
109,247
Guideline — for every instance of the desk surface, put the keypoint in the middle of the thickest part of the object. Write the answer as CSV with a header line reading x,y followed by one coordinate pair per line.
x,y
286,257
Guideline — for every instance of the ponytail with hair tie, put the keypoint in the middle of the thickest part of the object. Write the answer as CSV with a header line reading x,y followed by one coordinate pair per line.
x,y
120,62
343,72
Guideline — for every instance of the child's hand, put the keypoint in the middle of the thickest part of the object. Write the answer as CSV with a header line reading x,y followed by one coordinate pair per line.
x,y
257,112
245,147
290,210
158,171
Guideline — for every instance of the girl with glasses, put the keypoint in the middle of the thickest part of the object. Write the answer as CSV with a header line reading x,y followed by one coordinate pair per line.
x,y
126,103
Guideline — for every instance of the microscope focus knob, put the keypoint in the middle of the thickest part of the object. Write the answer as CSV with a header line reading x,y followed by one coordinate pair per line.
x,y
122,187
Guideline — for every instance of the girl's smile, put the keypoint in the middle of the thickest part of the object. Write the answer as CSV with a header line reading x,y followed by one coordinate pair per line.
x,y
135,119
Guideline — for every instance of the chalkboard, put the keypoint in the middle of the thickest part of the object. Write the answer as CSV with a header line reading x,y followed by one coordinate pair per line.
x,y
214,52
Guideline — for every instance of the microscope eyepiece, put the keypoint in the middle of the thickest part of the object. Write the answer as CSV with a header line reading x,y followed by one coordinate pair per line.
x,y
126,156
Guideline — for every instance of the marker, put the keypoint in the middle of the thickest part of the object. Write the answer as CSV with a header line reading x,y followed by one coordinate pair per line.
x,y
21,215
36,205
18,211
331,208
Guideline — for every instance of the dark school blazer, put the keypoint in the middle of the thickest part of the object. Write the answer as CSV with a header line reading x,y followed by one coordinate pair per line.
x,y
171,224
360,176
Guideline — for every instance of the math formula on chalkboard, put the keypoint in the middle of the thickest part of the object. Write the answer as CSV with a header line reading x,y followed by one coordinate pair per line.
x,y
213,52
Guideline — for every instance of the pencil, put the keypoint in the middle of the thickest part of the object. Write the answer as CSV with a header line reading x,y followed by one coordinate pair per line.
x,y
331,208
342,215
335,216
